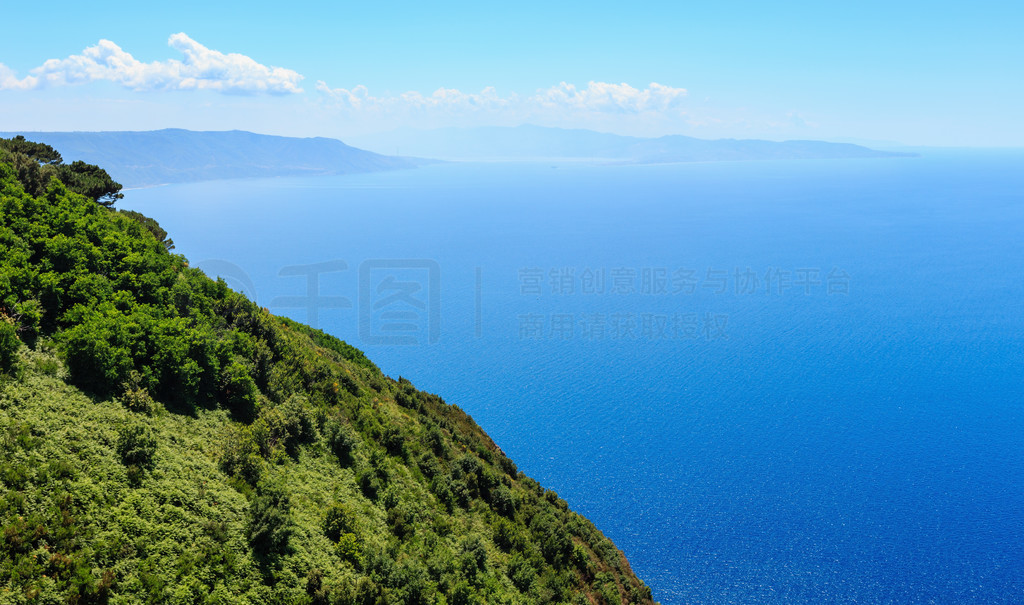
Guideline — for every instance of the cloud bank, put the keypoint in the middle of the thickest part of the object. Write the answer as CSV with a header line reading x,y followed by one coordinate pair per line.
x,y
200,68
596,98
451,99
601,105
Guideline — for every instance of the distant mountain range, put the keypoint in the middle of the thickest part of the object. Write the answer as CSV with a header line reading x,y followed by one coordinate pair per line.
x,y
537,142
137,159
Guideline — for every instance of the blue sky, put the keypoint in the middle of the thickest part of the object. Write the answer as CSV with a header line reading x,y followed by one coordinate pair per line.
x,y
913,72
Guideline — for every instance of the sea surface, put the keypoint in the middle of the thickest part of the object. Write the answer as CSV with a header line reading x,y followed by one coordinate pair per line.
x,y
767,382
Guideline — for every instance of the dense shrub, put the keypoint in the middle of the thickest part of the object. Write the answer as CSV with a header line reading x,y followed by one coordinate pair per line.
x,y
472,556
280,430
507,465
135,397
136,445
394,441
428,465
270,524
342,440
98,351
435,440
463,594
349,550
339,519
441,485
9,344
508,535
300,419
554,541
468,465
406,399
370,484
239,391
502,501
521,572
401,521
316,591
241,456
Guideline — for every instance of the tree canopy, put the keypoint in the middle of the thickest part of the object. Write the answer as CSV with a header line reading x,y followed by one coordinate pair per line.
x,y
35,164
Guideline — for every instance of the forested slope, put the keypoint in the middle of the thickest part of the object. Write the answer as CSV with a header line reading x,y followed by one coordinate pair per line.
x,y
165,440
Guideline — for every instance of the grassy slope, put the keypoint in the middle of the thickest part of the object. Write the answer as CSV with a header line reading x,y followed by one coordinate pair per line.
x,y
373,492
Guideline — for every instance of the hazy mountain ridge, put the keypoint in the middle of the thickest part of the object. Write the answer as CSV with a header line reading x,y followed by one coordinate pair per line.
x,y
142,158
537,142
146,158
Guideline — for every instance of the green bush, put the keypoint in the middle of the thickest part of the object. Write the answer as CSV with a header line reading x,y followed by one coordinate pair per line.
x,y
503,502
9,344
339,520
461,493
468,465
553,538
508,466
435,440
239,391
30,317
401,521
463,594
98,351
370,484
135,397
270,523
281,429
472,556
428,465
241,456
441,485
316,591
393,440
508,535
349,550
136,445
300,423
521,572
342,440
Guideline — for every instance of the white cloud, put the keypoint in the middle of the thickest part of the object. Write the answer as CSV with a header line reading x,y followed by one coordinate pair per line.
x,y
445,99
596,98
200,69
602,97
8,81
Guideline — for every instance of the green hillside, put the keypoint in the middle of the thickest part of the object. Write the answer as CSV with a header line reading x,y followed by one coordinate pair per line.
x,y
165,440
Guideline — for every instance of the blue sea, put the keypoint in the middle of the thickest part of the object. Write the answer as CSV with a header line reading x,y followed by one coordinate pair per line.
x,y
767,382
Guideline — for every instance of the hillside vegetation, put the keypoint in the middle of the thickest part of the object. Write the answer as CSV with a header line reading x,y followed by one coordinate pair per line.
x,y
165,440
